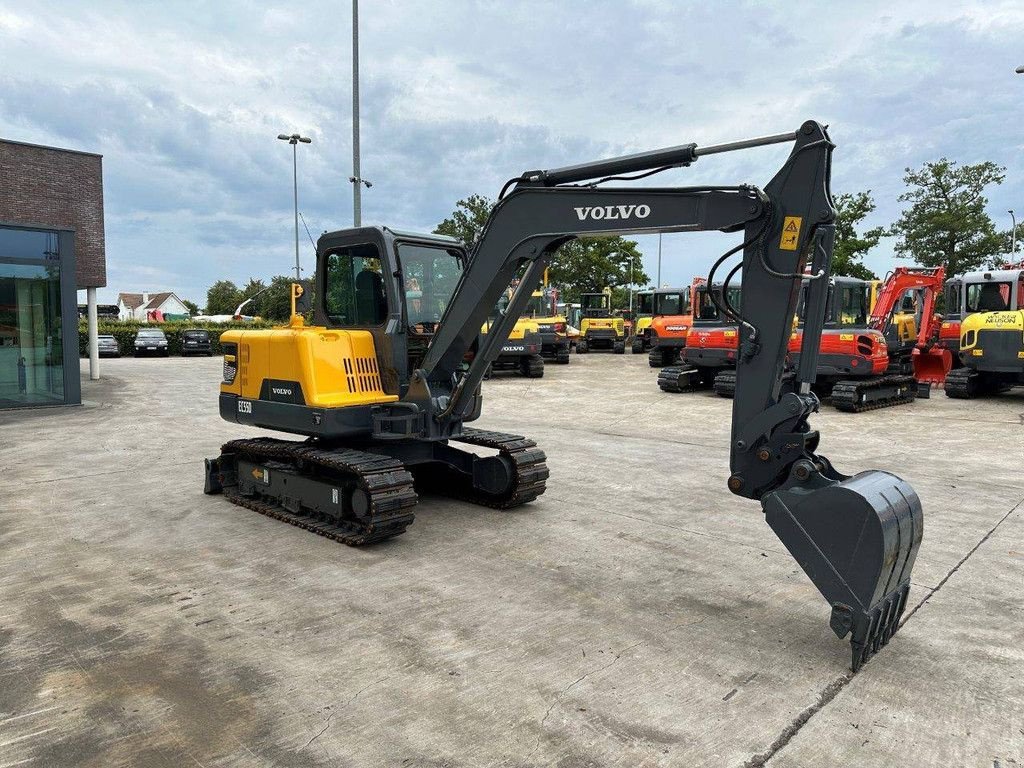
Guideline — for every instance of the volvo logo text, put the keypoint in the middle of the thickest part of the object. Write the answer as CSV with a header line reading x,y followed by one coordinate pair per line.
x,y
613,212
281,391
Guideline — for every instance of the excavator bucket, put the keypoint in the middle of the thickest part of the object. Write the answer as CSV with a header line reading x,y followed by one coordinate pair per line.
x,y
931,366
857,540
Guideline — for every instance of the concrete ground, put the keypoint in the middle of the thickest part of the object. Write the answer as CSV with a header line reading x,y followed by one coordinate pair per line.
x,y
636,615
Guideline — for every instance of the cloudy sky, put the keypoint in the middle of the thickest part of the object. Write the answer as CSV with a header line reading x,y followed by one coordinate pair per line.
x,y
185,100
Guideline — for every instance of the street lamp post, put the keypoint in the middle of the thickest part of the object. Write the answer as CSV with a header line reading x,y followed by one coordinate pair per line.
x,y
1013,233
355,178
294,140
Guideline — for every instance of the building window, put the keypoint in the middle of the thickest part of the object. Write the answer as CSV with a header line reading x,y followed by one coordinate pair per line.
x,y
31,333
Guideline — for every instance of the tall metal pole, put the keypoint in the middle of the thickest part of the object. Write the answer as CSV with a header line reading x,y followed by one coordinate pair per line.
x,y
1013,233
295,190
357,213
658,284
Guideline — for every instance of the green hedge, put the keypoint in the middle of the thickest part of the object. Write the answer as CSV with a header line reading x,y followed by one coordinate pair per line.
x,y
124,331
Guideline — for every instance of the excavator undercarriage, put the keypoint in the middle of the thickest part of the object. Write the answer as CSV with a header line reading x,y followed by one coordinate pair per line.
x,y
381,389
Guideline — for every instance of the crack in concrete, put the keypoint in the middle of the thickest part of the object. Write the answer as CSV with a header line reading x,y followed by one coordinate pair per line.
x,y
833,689
572,685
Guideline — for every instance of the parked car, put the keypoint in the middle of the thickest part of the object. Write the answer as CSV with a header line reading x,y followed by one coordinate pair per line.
x,y
195,341
150,341
107,346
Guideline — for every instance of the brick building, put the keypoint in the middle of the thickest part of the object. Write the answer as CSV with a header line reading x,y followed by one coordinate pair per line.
x,y
51,245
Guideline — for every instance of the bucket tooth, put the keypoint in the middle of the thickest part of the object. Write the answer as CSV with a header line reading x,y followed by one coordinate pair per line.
x,y
857,539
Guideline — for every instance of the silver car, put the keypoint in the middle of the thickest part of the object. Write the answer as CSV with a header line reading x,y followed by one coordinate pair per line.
x,y
107,346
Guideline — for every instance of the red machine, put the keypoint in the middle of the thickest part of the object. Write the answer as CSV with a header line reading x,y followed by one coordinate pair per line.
x,y
928,361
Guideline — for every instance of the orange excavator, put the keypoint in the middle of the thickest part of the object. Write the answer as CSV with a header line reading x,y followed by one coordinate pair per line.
x,y
868,360
911,339
673,318
709,357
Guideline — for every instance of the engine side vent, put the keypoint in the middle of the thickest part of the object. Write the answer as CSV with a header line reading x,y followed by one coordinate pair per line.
x,y
865,345
362,375
230,366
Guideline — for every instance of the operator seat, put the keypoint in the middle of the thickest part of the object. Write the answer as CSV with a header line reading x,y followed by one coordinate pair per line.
x,y
371,306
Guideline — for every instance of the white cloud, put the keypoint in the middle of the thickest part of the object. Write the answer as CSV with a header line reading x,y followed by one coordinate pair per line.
x,y
458,96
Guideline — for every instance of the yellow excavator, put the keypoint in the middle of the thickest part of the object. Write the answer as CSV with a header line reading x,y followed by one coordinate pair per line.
x,y
378,395
643,316
521,352
991,334
600,328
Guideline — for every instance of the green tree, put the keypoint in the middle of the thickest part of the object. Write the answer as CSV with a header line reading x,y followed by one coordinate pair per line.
x,y
589,264
851,247
467,220
276,303
946,223
253,290
222,297
191,306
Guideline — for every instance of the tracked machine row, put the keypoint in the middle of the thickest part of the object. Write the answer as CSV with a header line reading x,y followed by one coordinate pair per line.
x,y
382,388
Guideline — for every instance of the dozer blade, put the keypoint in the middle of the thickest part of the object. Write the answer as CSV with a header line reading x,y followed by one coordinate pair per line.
x,y
857,540
932,366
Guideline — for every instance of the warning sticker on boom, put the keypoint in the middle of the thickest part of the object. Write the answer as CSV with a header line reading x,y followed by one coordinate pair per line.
x,y
790,233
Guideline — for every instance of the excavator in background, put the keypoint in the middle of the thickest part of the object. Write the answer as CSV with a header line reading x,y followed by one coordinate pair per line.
x,y
991,334
521,351
670,326
375,424
711,345
600,328
642,317
552,326
855,367
905,312
947,335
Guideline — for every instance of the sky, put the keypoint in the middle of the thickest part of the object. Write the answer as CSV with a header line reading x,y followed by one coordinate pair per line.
x,y
185,101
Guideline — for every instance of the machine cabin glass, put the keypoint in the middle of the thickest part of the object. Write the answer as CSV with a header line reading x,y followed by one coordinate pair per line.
x,y
852,305
952,298
354,294
595,304
538,306
672,303
430,275
706,307
989,297
645,303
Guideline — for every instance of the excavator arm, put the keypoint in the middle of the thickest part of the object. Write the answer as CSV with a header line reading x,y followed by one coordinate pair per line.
x,y
855,537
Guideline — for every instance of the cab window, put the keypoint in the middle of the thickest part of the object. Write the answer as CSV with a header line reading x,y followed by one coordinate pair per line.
x,y
853,305
429,274
952,296
988,297
645,303
354,287
670,304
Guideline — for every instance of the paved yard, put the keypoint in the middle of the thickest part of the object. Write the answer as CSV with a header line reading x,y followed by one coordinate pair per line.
x,y
636,615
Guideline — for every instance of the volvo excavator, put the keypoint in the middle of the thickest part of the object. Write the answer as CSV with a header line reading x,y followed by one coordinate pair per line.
x,y
374,423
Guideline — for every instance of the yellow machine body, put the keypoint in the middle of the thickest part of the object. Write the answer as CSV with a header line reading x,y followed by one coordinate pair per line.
x,y
333,368
1000,333
617,324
